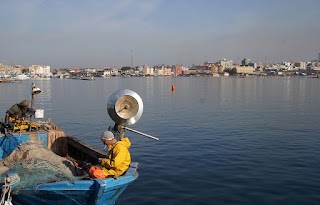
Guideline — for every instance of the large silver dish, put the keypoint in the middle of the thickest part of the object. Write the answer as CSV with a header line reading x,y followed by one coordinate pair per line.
x,y
125,107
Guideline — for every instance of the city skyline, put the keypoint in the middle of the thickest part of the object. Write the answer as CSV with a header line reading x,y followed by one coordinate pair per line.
x,y
137,32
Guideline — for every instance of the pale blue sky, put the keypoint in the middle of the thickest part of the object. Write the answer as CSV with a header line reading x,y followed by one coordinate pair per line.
x,y
102,33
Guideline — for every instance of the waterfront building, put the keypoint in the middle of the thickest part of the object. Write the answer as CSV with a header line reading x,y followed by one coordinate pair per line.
x,y
316,66
75,70
184,68
226,63
146,70
285,66
260,67
90,70
162,70
245,62
11,70
17,69
217,68
156,70
4,69
168,70
245,69
300,65
214,67
177,70
40,71
202,69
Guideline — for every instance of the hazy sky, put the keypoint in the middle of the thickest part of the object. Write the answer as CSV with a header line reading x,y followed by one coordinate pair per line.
x,y
102,33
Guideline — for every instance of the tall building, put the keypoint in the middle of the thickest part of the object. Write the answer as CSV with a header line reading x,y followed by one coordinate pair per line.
x,y
226,63
40,70
319,56
177,70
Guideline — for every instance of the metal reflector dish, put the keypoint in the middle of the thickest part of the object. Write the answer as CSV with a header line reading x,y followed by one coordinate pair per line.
x,y
125,107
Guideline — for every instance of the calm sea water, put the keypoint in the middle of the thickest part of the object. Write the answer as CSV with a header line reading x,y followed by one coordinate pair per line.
x,y
222,141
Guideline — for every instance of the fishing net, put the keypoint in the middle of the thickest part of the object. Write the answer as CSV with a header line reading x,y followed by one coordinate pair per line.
x,y
36,164
34,171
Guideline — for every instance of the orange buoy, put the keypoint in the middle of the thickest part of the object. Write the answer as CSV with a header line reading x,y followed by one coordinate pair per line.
x,y
173,87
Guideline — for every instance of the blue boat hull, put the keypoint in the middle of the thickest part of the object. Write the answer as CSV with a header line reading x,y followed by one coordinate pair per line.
x,y
80,192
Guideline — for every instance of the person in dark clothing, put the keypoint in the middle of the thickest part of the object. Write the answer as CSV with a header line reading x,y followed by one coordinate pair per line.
x,y
17,111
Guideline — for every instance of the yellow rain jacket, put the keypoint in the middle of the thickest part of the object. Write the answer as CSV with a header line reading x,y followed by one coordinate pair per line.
x,y
118,158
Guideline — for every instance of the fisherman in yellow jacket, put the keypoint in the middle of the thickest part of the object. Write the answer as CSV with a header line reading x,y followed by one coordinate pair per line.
x,y
118,158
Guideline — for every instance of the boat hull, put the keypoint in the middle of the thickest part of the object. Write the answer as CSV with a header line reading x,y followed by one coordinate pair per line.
x,y
83,191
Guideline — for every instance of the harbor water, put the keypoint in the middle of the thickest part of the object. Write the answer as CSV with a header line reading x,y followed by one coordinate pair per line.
x,y
223,141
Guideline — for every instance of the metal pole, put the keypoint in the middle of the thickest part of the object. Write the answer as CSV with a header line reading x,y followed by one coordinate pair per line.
x,y
141,133
32,94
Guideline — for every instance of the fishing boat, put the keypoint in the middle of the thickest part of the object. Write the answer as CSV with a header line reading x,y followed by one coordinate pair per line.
x,y
35,179
87,78
90,78
22,77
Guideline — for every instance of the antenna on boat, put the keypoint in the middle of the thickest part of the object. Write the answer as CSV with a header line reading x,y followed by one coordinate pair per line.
x,y
34,90
125,107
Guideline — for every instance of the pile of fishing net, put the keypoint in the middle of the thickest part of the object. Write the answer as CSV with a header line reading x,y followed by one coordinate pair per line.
x,y
36,164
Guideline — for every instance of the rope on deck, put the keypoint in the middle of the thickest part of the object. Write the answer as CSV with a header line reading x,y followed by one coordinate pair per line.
x,y
6,189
